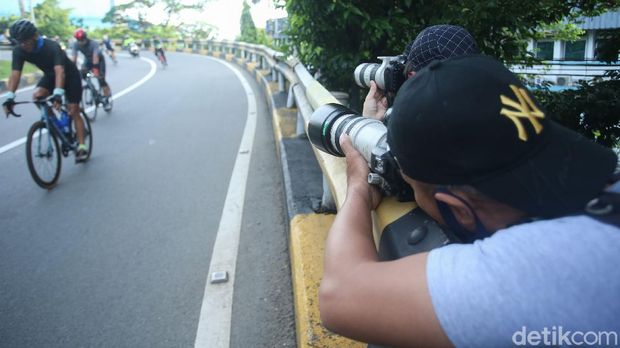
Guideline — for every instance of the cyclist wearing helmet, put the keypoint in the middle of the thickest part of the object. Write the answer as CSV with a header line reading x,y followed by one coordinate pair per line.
x,y
93,60
107,43
158,46
60,76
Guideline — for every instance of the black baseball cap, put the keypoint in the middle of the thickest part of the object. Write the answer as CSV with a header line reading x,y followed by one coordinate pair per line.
x,y
438,42
470,121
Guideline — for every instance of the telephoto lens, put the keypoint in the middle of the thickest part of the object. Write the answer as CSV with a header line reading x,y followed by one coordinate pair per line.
x,y
368,136
330,121
366,72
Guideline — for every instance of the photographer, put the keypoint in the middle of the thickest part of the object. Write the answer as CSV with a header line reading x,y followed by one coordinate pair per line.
x,y
433,43
482,158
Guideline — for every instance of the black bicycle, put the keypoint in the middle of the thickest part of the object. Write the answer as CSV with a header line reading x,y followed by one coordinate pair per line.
x,y
93,96
42,144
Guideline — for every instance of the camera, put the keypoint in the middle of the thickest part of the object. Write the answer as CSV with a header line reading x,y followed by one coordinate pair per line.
x,y
413,232
369,136
389,75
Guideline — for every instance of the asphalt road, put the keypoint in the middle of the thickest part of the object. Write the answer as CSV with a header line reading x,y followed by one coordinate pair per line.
x,y
117,254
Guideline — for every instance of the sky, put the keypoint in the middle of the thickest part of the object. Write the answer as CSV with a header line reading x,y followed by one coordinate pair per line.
x,y
223,14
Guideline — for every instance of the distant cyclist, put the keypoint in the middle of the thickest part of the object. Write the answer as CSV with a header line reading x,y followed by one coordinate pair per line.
x,y
93,60
60,76
109,47
158,47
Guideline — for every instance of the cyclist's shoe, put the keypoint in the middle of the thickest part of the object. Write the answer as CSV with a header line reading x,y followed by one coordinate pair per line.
x,y
106,104
81,154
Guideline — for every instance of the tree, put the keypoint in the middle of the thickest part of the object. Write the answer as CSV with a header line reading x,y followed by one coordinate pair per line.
x,y
248,29
5,23
53,20
336,36
174,8
592,110
139,8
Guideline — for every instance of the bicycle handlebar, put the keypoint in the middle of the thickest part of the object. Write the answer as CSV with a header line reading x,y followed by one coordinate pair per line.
x,y
45,100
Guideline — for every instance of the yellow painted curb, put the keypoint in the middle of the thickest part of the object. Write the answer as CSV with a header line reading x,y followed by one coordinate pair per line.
x,y
308,234
286,120
251,66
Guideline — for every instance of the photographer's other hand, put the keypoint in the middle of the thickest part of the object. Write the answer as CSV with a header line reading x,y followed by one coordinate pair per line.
x,y
357,175
375,104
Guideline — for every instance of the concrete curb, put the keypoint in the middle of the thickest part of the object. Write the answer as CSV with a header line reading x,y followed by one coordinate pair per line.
x,y
308,230
24,81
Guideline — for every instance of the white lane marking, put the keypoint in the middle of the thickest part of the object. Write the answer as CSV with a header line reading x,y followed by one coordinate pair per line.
x,y
216,311
148,76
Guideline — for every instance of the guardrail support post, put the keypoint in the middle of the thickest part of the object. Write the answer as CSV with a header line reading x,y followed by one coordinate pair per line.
x,y
301,128
274,74
281,82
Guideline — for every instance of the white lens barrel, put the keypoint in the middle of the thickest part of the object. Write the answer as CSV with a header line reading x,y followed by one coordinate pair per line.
x,y
367,135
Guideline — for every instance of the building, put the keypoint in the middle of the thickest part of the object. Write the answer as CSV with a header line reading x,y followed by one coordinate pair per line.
x,y
566,63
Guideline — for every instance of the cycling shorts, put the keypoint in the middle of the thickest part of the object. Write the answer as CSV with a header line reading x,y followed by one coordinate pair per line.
x,y
73,86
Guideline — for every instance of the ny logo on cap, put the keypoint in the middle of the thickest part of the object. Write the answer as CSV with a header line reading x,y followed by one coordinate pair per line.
x,y
524,108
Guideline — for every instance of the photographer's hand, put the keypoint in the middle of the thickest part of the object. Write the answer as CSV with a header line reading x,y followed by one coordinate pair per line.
x,y
375,104
357,175
362,297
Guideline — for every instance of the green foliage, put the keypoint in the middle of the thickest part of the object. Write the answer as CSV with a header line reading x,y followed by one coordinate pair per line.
x,y
129,19
136,10
5,68
335,36
5,23
248,29
593,109
52,20
263,39
560,31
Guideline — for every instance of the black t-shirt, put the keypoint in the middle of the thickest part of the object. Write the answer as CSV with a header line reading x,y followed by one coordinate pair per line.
x,y
45,59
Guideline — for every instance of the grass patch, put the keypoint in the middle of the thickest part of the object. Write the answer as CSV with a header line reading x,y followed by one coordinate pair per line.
x,y
5,69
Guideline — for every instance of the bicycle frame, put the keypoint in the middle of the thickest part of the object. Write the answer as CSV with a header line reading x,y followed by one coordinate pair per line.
x,y
46,117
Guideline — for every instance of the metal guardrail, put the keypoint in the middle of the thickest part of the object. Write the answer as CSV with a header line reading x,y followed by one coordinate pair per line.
x,y
305,92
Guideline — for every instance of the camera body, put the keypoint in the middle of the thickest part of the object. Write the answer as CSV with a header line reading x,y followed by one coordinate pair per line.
x,y
369,136
389,75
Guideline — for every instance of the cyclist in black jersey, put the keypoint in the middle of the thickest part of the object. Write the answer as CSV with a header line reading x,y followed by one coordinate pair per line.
x,y
93,59
60,76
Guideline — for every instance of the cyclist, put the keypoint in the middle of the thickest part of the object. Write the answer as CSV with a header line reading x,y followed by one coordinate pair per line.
x,y
93,61
158,47
60,75
109,48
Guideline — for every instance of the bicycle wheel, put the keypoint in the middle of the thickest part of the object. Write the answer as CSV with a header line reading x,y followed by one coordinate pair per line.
x,y
88,134
43,155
